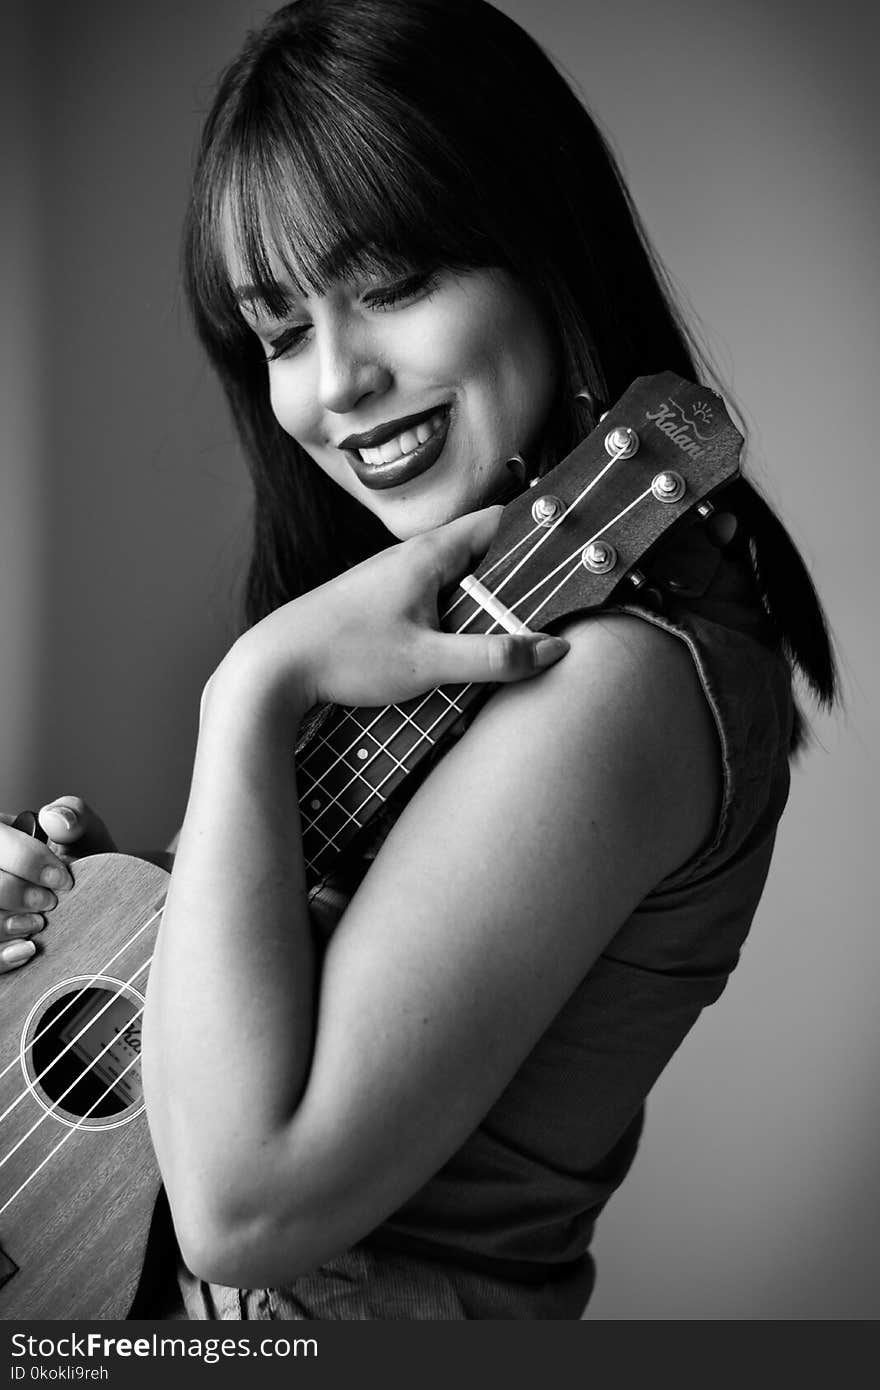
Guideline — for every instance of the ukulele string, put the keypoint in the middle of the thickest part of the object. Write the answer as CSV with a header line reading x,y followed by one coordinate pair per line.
x,y
92,1064
50,1110
459,599
72,1043
53,1108
549,530
523,540
572,560
574,557
89,984
546,533
72,1129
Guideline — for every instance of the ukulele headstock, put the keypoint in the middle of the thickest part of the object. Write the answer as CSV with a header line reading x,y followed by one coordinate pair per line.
x,y
577,535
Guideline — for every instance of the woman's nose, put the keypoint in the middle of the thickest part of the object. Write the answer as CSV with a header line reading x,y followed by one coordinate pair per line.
x,y
349,369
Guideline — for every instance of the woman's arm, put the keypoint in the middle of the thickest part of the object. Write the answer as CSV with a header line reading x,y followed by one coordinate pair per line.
x,y
294,1104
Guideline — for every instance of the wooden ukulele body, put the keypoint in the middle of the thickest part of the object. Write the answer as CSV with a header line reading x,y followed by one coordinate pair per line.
x,y
76,1199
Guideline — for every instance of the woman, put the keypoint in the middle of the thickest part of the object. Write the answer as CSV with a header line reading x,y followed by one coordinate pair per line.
x,y
418,1110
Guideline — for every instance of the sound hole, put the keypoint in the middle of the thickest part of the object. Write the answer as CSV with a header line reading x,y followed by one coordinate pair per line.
x,y
85,1053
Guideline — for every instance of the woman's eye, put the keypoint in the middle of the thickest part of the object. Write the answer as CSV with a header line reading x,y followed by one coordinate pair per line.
x,y
287,342
402,291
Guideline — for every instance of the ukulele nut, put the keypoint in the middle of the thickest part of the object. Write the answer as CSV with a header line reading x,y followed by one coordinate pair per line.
x,y
599,557
668,486
621,441
546,509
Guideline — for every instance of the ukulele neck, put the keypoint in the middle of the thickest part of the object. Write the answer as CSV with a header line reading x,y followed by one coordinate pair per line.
x,y
360,756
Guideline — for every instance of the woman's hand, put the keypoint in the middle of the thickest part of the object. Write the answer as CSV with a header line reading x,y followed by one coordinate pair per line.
x,y
33,874
372,636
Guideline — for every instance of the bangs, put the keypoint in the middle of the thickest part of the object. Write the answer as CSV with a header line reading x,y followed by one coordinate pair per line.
x,y
312,185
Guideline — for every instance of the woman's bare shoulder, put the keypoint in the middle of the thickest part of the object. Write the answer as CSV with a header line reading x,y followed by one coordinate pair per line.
x,y
648,667
607,765
628,702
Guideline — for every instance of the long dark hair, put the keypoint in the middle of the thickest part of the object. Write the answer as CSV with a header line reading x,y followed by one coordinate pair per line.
x,y
350,134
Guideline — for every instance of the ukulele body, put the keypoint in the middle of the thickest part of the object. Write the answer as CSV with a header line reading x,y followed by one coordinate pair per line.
x,y
77,1193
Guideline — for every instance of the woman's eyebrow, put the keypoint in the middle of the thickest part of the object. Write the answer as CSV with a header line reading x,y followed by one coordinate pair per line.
x,y
253,306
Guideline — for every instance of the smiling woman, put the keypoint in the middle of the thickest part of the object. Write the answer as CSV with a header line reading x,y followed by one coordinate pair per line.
x,y
343,160
448,1003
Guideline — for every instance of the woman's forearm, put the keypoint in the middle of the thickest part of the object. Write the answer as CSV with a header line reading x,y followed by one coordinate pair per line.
x,y
261,1107
230,1014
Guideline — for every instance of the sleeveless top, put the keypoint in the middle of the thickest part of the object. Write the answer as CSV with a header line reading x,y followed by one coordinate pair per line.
x,y
503,1229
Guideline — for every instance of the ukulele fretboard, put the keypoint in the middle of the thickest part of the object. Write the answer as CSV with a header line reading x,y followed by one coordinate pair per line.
x,y
358,757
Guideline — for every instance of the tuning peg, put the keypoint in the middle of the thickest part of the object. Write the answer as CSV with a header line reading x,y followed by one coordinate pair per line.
x,y
668,486
649,595
622,441
599,557
546,509
721,527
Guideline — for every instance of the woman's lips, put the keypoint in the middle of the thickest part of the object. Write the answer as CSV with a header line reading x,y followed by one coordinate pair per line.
x,y
384,475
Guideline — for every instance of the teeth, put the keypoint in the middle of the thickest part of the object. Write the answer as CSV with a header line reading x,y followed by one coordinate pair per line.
x,y
390,451
403,444
408,441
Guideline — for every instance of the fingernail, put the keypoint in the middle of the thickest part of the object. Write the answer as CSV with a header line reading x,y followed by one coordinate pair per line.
x,y
18,952
56,878
549,649
23,923
38,898
64,813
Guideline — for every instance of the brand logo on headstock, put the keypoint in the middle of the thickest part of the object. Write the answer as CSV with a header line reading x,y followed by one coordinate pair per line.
x,y
688,429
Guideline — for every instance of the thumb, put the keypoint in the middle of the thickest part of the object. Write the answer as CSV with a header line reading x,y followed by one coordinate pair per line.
x,y
493,657
68,821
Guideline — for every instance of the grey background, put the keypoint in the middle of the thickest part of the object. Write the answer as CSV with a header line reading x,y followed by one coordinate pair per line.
x,y
748,133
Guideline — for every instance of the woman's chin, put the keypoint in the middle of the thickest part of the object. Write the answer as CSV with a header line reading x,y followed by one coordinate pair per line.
x,y
405,522
409,512
416,516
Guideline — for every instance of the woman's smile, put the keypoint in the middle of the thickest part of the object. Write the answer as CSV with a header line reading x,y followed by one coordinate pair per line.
x,y
402,455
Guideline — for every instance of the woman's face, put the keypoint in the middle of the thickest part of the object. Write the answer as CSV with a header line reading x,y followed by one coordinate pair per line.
x,y
411,393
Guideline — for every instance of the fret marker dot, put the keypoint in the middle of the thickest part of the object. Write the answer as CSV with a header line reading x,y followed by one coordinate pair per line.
x,y
362,753
315,803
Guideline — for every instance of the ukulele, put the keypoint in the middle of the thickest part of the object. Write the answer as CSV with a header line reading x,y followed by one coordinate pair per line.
x,y
78,1180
